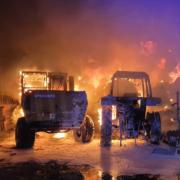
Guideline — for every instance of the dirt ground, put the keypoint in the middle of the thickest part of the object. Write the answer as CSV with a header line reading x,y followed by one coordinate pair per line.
x,y
53,158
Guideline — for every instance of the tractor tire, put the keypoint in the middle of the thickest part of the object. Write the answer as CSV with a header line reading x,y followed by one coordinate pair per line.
x,y
155,132
172,137
85,133
106,128
23,135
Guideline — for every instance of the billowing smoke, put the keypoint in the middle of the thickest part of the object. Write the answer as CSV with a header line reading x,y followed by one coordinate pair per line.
x,y
175,74
87,38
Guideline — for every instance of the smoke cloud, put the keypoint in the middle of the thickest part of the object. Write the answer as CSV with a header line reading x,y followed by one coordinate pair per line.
x,y
88,38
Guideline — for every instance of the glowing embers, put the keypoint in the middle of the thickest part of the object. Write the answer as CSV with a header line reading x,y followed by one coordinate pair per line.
x,y
171,100
166,107
35,80
100,116
175,73
161,81
96,82
114,114
32,80
59,135
76,87
21,112
172,119
125,87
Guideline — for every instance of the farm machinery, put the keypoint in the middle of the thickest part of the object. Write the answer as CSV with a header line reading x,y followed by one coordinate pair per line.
x,y
50,104
129,108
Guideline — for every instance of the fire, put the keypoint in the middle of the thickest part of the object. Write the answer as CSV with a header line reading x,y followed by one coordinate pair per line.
x,y
21,112
161,81
95,76
114,114
96,83
175,74
59,135
100,116
30,81
162,63
76,87
171,100
79,78
166,107
148,47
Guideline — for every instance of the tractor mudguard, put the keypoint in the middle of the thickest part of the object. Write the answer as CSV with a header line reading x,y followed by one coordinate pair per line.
x,y
60,108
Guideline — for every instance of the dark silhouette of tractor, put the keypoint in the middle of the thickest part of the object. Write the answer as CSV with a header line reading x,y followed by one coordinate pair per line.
x,y
127,106
51,105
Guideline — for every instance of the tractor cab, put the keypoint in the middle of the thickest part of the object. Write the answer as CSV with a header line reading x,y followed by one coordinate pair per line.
x,y
37,80
44,81
126,108
131,84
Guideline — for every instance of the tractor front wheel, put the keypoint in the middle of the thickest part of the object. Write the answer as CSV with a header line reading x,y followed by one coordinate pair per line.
x,y
24,136
155,122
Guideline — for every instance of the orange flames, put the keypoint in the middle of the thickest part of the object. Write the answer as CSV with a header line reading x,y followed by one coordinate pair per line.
x,y
175,74
100,116
114,114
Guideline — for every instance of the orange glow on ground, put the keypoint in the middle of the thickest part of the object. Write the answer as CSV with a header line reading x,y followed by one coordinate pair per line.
x,y
59,135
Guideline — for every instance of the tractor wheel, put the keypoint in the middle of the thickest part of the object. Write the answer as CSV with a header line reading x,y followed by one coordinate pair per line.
x,y
23,135
172,137
155,132
106,127
85,133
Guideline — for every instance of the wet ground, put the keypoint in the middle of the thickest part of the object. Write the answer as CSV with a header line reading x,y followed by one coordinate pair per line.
x,y
33,170
64,158
52,170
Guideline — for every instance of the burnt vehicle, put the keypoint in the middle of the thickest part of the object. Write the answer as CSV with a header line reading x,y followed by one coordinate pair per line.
x,y
129,108
50,104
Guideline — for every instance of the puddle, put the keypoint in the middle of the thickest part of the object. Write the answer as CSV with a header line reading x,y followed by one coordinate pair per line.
x,y
53,170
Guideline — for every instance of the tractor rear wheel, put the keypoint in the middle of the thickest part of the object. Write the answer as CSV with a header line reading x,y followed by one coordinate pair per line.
x,y
85,133
155,122
24,136
172,137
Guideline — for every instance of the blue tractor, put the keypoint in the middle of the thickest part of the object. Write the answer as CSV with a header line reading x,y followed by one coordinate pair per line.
x,y
129,107
50,104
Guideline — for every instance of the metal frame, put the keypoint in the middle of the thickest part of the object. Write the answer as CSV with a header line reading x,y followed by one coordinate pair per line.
x,y
47,75
31,72
134,75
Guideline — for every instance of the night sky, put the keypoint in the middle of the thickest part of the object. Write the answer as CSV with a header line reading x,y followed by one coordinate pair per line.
x,y
90,36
